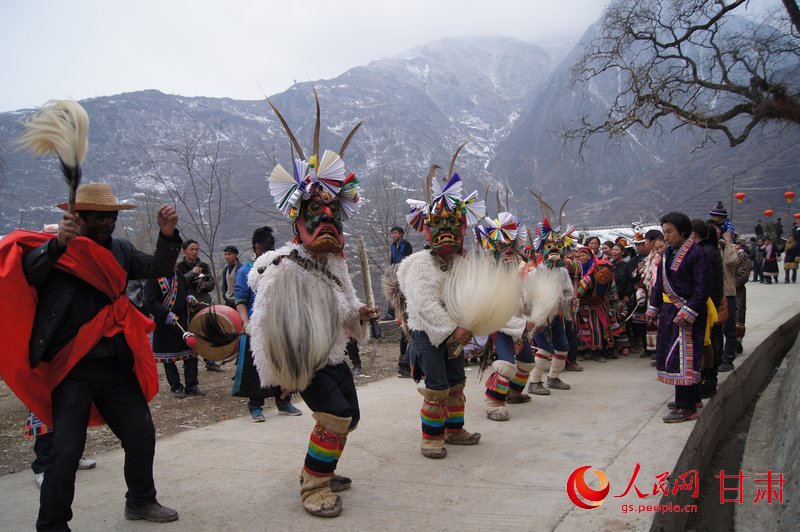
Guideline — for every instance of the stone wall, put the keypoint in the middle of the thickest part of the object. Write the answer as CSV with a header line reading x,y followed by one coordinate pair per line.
x,y
786,442
773,444
390,332
734,395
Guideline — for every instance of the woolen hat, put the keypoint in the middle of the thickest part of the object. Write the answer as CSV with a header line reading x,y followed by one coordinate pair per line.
x,y
230,249
96,197
718,210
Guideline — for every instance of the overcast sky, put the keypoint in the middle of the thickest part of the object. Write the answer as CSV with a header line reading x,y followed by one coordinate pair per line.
x,y
86,48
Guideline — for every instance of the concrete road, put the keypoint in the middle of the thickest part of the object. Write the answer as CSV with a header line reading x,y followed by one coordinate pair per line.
x,y
239,475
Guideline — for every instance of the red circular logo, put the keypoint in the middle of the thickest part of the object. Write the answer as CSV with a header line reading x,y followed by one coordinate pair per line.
x,y
581,494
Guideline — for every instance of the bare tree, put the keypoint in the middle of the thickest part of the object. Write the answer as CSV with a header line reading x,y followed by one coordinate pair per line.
x,y
381,211
139,225
263,204
197,178
693,62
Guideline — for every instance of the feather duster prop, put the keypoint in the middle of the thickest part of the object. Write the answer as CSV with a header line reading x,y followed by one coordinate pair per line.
x,y
543,288
480,294
304,309
60,126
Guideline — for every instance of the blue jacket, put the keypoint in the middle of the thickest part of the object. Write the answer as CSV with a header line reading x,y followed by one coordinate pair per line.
x,y
242,294
400,250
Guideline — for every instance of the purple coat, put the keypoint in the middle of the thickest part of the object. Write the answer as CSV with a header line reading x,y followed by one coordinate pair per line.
x,y
683,278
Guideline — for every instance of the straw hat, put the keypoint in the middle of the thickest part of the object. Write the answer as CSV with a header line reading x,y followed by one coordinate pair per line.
x,y
96,197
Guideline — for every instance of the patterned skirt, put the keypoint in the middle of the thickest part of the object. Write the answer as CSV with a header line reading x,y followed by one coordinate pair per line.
x,y
162,358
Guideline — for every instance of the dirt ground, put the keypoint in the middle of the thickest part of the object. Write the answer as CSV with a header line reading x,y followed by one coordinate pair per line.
x,y
170,414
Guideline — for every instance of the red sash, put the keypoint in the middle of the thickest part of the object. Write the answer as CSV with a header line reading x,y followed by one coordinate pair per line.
x,y
95,265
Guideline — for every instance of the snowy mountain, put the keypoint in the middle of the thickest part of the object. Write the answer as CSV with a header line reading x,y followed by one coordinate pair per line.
x,y
507,97
417,106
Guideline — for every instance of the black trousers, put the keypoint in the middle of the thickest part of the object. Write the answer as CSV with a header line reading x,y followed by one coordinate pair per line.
x,y
729,332
403,361
639,331
441,372
110,384
257,401
710,375
572,338
687,397
41,448
189,374
353,352
333,391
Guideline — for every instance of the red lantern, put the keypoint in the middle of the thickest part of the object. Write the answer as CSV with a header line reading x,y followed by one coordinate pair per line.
x,y
796,217
768,213
789,195
740,196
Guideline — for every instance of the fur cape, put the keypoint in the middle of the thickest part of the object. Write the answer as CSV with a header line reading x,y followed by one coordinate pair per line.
x,y
421,281
301,315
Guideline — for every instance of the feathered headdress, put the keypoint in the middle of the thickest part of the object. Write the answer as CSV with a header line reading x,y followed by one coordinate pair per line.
x,y
545,232
448,198
288,189
60,126
504,229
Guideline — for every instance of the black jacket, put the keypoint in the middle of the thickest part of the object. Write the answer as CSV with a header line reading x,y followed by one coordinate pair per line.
x,y
203,295
622,278
65,302
167,338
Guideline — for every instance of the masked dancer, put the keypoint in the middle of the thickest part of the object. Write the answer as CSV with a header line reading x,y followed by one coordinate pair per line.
x,y
550,292
305,304
444,217
503,237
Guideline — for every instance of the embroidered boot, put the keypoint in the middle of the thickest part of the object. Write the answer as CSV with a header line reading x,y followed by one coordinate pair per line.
x,y
454,422
497,390
432,416
554,381
338,482
516,386
324,450
541,360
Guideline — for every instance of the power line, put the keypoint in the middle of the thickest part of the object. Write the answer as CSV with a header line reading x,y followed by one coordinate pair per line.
x,y
793,185
738,174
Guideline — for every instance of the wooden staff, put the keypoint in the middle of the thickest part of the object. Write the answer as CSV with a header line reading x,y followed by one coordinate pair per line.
x,y
362,256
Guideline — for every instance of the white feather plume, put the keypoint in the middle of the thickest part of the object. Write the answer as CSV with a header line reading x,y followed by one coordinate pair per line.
x,y
544,288
480,294
60,126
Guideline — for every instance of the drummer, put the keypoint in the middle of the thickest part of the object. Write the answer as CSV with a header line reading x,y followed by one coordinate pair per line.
x,y
168,301
199,283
